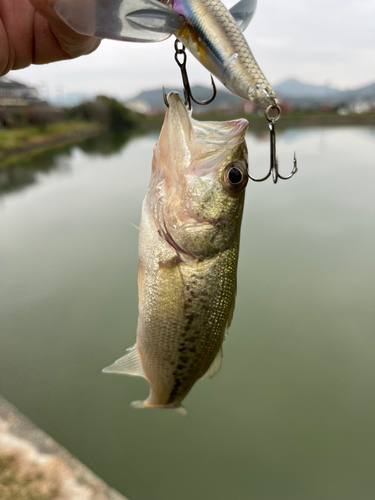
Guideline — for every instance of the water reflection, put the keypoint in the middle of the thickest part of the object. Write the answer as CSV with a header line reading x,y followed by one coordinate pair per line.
x,y
25,172
106,144
290,415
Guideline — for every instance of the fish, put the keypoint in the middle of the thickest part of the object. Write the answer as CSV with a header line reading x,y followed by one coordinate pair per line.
x,y
206,28
188,253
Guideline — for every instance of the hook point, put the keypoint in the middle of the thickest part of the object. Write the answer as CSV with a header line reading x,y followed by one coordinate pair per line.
x,y
165,99
295,169
204,103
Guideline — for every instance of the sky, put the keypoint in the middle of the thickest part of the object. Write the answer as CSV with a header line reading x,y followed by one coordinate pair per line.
x,y
322,42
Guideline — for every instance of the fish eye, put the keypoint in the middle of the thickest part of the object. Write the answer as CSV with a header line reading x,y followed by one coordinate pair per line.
x,y
235,177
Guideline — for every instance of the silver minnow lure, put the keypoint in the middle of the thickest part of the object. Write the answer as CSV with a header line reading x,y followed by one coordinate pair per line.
x,y
210,32
188,253
213,37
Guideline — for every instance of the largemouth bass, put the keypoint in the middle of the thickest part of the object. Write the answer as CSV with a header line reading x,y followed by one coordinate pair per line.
x,y
206,28
188,251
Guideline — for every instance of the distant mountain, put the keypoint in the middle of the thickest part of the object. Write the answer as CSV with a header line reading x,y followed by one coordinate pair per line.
x,y
223,99
368,91
296,92
293,91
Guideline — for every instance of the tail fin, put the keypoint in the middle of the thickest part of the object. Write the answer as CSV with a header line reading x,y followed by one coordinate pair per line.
x,y
144,404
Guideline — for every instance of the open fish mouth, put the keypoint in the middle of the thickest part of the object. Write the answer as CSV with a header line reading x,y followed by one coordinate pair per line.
x,y
201,142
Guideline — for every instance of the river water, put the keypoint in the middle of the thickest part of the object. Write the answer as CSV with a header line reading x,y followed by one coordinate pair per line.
x,y
291,415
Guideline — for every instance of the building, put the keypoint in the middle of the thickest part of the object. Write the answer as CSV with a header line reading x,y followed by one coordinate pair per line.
x,y
14,94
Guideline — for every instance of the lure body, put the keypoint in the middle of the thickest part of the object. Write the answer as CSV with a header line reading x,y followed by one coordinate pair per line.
x,y
213,37
209,31
188,252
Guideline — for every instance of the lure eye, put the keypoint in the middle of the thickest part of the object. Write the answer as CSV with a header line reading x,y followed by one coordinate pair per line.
x,y
235,177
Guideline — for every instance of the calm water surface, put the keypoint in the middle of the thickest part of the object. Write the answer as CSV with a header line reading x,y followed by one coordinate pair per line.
x,y
291,415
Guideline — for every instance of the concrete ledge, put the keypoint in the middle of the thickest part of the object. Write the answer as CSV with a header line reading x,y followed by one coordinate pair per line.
x,y
36,451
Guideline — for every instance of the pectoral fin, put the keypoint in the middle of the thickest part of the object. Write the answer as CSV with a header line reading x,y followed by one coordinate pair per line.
x,y
130,364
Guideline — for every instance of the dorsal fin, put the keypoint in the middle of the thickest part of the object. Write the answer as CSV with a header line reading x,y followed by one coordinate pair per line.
x,y
130,364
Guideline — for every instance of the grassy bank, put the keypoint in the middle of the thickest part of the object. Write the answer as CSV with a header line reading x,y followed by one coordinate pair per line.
x,y
295,118
20,143
258,122
30,140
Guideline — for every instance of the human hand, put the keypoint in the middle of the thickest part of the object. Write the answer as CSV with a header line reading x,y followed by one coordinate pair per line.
x,y
32,33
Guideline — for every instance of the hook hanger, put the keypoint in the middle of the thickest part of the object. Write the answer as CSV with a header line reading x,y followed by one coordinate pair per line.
x,y
274,167
185,80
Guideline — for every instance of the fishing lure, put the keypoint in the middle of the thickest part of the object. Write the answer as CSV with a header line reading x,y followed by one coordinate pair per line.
x,y
205,27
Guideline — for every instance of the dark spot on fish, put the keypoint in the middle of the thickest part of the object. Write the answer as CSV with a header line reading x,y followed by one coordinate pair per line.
x,y
180,367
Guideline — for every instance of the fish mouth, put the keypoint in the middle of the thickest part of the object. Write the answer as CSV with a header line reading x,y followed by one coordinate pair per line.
x,y
199,142
214,133
178,114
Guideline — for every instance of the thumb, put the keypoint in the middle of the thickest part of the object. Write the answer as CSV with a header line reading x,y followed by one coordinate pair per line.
x,y
71,42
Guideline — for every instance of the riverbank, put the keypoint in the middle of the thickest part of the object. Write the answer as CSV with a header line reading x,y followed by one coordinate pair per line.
x,y
257,121
296,119
19,142
35,467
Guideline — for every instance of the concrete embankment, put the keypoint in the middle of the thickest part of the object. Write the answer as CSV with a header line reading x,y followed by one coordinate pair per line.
x,y
30,459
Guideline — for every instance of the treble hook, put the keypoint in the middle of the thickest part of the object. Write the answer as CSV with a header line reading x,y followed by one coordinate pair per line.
x,y
185,80
274,168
